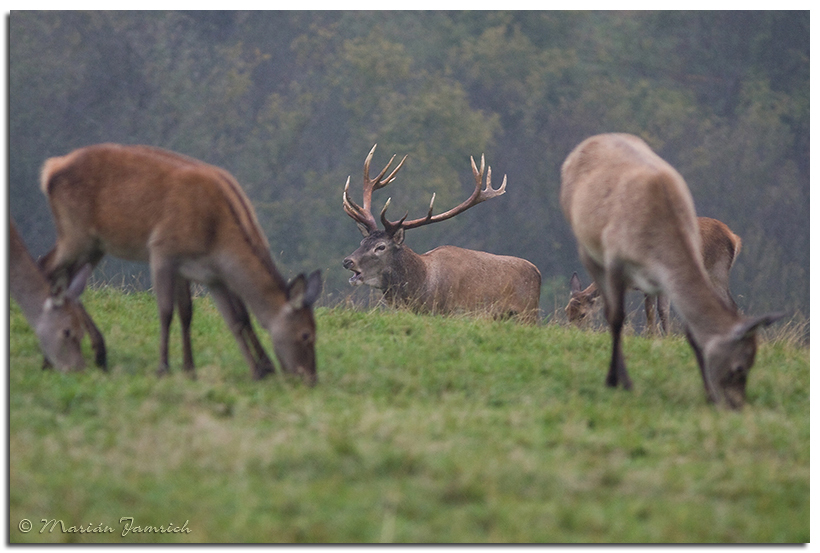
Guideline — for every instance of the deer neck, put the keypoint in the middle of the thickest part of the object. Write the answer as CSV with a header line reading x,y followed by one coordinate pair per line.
x,y
27,286
404,280
257,283
699,305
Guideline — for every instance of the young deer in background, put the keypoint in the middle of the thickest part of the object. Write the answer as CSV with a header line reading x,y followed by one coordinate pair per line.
x,y
634,220
56,319
444,280
720,248
189,221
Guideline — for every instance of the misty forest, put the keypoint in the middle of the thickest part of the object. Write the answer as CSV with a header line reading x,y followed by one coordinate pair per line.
x,y
291,103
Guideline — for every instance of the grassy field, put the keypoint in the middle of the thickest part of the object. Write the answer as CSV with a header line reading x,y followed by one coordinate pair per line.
x,y
422,429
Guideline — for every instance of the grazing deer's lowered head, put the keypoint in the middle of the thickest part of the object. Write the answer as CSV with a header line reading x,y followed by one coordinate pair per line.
x,y
444,280
581,301
634,220
55,318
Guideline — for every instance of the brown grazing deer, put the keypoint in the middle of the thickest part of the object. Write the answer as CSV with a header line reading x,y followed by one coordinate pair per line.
x,y
190,221
720,248
444,280
634,220
54,318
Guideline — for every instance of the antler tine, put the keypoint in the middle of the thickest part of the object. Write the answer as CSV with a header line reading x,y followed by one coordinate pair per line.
x,y
392,176
475,198
374,184
358,214
391,227
363,215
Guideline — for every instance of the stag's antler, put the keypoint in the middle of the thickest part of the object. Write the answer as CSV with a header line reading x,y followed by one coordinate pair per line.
x,y
475,198
363,215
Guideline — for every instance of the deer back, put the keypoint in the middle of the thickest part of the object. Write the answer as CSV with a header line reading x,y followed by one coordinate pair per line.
x,y
122,200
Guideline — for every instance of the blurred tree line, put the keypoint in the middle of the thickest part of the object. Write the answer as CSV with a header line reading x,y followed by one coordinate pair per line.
x,y
291,102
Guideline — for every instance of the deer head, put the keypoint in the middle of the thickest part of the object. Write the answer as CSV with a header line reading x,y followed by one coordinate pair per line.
x,y
581,301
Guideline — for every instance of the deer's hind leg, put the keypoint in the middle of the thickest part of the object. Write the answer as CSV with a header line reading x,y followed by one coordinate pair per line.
x,y
164,279
182,297
611,285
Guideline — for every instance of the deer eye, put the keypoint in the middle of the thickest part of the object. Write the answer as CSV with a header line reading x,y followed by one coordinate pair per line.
x,y
380,248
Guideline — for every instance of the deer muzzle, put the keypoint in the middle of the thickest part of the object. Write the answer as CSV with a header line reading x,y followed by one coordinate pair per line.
x,y
350,265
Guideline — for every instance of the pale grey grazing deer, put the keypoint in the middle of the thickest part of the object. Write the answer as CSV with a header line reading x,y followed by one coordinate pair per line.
x,y
55,319
634,220
190,221
720,248
447,279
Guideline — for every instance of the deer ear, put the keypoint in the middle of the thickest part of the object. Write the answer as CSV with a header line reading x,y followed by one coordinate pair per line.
x,y
303,292
363,229
574,283
398,237
750,325
296,291
314,288
77,285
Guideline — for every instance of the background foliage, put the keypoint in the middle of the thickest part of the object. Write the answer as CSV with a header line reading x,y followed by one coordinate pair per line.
x,y
291,102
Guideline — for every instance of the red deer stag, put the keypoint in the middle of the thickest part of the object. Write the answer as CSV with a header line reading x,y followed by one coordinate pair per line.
x,y
634,219
189,221
54,318
447,279
720,248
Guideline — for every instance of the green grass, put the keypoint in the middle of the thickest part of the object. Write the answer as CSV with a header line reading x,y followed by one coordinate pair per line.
x,y
422,429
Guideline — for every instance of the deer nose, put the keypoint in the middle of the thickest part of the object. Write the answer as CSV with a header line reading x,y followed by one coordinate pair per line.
x,y
348,263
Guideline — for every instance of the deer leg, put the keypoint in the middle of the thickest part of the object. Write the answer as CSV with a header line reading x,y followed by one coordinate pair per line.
x,y
227,303
649,308
615,315
663,312
182,295
95,336
163,277
610,284
701,365
263,362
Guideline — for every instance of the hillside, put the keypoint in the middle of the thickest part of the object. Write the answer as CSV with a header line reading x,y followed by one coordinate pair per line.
x,y
421,429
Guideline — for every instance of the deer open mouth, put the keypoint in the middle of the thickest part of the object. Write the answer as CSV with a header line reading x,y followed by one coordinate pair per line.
x,y
356,279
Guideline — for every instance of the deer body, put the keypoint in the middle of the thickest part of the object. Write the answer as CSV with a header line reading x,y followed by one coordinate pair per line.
x,y
483,282
447,279
634,220
720,247
189,221
54,318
